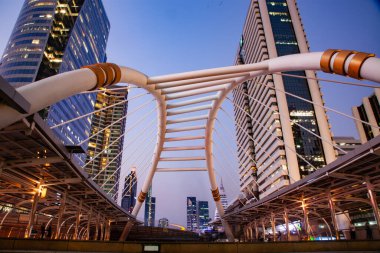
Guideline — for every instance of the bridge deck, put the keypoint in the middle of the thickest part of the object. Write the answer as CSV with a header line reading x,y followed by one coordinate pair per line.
x,y
345,181
23,245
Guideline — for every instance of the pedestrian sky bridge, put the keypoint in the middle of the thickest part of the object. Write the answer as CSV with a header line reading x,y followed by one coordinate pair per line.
x,y
32,160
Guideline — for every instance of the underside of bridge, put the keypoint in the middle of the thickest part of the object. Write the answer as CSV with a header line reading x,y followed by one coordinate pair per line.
x,y
43,188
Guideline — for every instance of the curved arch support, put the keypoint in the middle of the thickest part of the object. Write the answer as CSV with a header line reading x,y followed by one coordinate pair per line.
x,y
58,87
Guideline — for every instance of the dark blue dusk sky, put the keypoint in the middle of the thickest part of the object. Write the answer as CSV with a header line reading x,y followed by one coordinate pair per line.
x,y
168,36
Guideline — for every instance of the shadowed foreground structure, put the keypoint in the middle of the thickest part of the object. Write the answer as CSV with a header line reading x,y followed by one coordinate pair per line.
x,y
23,245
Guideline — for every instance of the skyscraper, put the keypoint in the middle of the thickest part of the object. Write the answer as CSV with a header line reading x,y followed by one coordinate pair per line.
x,y
106,143
163,223
192,218
150,209
223,199
268,121
203,214
368,111
128,200
55,36
346,143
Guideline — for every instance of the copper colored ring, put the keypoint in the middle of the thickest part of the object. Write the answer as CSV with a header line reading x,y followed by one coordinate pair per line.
x,y
215,194
340,60
99,73
356,64
326,59
109,73
117,72
141,197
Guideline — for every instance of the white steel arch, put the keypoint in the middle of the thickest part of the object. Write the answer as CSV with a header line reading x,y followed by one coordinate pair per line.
x,y
213,85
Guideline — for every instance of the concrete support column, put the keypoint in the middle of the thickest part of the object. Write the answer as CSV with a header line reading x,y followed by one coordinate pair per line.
x,y
97,227
89,217
250,233
108,230
333,215
77,221
305,218
372,198
273,223
263,226
101,231
256,231
286,219
32,215
61,211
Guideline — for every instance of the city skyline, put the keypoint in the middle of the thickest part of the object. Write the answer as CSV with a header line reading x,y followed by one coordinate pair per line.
x,y
113,58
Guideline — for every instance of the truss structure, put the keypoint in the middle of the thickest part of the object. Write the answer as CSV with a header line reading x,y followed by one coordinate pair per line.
x,y
206,87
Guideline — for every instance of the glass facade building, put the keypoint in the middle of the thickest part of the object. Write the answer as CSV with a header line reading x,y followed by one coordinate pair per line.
x,y
203,214
192,218
163,223
106,141
128,200
274,149
55,36
368,111
150,209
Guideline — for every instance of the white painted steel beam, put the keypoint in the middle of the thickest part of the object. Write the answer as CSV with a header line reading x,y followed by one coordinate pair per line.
x,y
185,129
195,86
187,110
180,169
194,92
188,119
192,101
209,72
197,80
183,148
179,159
185,138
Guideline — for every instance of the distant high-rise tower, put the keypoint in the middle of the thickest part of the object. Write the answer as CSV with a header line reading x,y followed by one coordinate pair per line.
x,y
106,144
150,209
223,199
163,223
369,111
192,218
346,143
203,214
267,133
128,200
51,37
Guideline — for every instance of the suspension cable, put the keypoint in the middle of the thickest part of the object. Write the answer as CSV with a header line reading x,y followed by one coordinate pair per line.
x,y
110,89
328,80
146,115
228,162
113,123
108,178
271,162
127,159
263,127
144,167
99,110
316,104
221,165
126,145
291,121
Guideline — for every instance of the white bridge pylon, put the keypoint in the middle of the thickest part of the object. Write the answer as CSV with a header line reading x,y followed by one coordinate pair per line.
x,y
209,87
